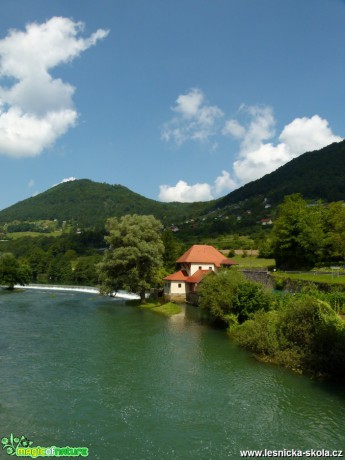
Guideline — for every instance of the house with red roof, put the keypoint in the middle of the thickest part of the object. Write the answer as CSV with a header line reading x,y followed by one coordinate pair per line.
x,y
194,265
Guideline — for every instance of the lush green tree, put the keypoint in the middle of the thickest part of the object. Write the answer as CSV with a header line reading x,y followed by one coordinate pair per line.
x,y
60,270
173,249
85,271
298,233
134,255
13,272
249,298
335,231
217,292
228,296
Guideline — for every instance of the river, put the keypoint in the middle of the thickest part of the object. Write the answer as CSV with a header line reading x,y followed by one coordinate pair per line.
x,y
82,370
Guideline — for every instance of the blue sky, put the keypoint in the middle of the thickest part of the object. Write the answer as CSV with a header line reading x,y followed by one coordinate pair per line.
x,y
183,100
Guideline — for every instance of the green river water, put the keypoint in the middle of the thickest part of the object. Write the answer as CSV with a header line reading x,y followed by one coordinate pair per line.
x,y
81,370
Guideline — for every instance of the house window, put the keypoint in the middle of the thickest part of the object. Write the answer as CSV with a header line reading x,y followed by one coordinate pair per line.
x,y
200,267
179,285
210,268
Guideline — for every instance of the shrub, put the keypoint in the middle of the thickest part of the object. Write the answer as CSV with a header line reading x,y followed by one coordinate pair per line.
x,y
258,334
306,335
217,293
249,298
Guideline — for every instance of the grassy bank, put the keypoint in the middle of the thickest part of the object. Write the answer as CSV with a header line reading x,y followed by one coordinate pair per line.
x,y
249,262
312,277
166,309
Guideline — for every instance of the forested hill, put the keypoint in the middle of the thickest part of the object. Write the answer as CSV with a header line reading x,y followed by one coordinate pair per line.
x,y
316,175
89,203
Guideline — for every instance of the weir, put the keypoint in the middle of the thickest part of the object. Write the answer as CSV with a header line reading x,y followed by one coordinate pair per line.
x,y
86,289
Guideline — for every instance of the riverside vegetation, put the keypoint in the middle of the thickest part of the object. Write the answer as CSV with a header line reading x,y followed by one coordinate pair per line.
x,y
303,332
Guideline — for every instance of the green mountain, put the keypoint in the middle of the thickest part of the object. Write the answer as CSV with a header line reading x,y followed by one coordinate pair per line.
x,y
89,203
316,175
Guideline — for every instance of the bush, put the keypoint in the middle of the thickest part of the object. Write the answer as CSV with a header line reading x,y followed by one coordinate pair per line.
x,y
249,298
217,292
258,334
229,298
306,335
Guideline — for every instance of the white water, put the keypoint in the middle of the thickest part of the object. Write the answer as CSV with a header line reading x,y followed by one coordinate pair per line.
x,y
86,289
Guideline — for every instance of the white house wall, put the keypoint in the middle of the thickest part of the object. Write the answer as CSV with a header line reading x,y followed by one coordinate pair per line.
x,y
177,287
195,267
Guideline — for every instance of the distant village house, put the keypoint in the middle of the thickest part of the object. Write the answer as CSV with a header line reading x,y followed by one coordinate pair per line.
x,y
195,264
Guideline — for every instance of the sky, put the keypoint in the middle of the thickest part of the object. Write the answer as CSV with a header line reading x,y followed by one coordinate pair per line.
x,y
182,100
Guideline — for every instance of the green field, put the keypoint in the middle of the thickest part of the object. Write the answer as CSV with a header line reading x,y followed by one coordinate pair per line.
x,y
17,235
253,262
313,277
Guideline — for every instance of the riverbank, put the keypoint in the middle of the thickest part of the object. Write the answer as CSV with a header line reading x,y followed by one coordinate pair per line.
x,y
166,309
305,335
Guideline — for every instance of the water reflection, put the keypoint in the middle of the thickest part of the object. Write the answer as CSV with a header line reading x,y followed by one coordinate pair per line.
x,y
86,370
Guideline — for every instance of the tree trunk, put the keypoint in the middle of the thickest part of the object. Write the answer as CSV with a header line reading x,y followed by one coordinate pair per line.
x,y
142,295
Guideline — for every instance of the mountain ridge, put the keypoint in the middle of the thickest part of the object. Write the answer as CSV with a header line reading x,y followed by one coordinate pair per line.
x,y
319,174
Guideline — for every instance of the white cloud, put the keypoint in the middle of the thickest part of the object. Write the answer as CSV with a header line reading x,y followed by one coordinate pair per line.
x,y
31,183
257,158
195,119
37,109
67,179
260,152
183,192
224,183
188,105
234,128
306,134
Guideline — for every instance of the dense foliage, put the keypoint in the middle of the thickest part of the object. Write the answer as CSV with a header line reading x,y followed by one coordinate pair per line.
x,y
306,235
227,297
68,259
305,335
134,255
301,331
13,272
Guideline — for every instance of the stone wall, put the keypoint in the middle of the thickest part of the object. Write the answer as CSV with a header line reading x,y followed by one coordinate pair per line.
x,y
180,298
263,277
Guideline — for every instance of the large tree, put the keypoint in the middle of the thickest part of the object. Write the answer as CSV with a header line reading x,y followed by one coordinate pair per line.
x,y
13,272
335,231
134,255
298,233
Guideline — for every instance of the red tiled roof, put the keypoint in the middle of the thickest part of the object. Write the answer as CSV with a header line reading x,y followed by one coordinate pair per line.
x,y
202,253
198,276
181,275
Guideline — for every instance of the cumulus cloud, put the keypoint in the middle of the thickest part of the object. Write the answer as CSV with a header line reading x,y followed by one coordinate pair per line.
x,y
224,183
258,157
260,152
35,108
194,120
306,134
183,192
